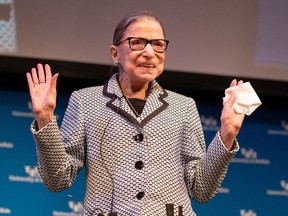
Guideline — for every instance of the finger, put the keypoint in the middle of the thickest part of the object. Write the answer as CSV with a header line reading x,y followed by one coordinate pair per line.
x,y
231,100
41,74
34,76
233,83
48,73
53,83
30,81
240,82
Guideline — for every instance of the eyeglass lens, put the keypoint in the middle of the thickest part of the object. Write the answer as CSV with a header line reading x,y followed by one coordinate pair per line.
x,y
158,45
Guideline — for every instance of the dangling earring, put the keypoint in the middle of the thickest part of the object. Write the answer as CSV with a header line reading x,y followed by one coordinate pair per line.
x,y
116,62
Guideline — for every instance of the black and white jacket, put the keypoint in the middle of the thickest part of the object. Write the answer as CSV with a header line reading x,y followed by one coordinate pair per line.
x,y
133,167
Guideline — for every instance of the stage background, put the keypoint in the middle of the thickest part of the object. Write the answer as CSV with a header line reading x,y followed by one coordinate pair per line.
x,y
256,183
211,42
223,37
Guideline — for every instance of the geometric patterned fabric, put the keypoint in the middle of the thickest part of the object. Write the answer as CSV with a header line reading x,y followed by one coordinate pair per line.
x,y
133,166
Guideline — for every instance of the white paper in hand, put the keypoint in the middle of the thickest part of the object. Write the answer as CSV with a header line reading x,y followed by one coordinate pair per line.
x,y
246,101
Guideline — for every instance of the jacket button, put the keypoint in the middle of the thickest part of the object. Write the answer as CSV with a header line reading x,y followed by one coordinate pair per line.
x,y
140,195
139,165
138,137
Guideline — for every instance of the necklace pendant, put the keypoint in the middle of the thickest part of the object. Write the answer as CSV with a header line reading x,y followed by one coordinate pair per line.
x,y
138,119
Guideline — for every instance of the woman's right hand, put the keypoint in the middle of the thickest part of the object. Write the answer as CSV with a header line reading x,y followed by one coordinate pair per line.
x,y
42,88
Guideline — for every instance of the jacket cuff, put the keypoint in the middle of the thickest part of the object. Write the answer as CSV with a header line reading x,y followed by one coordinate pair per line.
x,y
34,126
235,147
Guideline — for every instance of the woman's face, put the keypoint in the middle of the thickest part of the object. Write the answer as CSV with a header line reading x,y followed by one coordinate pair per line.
x,y
144,65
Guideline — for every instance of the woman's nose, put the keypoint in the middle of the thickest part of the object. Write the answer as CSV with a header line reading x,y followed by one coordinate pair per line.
x,y
149,51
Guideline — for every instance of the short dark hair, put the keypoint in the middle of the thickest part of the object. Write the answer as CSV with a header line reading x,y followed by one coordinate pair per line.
x,y
131,18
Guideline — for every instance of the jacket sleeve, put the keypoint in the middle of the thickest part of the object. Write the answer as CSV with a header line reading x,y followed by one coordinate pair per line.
x,y
204,170
61,153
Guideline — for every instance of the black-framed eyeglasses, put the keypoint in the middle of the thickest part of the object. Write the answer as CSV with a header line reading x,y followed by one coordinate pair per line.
x,y
138,44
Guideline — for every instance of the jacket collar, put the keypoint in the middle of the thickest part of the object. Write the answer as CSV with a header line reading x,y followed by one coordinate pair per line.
x,y
154,105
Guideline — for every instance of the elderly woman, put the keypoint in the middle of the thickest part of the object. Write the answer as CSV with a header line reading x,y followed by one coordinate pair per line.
x,y
142,146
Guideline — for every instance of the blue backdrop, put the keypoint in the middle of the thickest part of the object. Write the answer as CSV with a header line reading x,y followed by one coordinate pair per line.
x,y
256,183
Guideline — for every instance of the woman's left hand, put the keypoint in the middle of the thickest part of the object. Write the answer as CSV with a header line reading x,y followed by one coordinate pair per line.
x,y
231,121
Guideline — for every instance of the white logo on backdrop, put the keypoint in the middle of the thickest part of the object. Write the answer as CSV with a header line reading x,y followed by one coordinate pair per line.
x,y
76,208
33,176
5,210
32,171
29,114
6,145
224,190
284,192
26,114
250,212
209,123
283,132
250,157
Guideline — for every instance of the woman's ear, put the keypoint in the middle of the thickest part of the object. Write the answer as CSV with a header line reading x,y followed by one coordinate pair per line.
x,y
114,53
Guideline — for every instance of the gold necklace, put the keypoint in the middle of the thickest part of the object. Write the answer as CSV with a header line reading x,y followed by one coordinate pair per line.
x,y
133,109
138,118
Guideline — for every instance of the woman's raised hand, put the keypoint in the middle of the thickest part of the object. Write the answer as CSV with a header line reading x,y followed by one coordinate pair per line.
x,y
42,88
231,121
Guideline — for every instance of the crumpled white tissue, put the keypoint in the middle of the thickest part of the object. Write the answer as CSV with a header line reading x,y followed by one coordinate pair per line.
x,y
247,101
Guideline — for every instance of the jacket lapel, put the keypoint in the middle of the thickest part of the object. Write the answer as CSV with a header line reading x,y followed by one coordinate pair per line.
x,y
154,105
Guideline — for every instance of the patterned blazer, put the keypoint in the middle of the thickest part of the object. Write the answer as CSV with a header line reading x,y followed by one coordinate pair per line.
x,y
149,166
